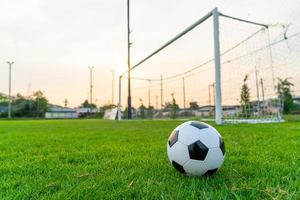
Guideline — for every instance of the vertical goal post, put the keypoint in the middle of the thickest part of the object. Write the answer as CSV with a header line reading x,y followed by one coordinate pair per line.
x,y
217,58
215,14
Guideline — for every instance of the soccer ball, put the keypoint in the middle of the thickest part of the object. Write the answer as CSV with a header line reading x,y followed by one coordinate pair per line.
x,y
196,149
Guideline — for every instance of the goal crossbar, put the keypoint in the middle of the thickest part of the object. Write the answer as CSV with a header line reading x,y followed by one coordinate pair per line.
x,y
243,20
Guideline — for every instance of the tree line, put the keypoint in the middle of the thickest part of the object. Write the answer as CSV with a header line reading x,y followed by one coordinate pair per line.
x,y
36,105
284,93
33,106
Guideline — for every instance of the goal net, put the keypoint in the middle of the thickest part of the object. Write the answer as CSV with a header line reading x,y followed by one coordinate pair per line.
x,y
191,77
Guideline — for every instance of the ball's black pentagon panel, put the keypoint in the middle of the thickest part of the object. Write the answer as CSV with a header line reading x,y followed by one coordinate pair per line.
x,y
178,167
197,150
222,145
210,172
173,138
199,125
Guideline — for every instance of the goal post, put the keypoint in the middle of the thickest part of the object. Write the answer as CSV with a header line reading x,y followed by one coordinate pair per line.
x,y
217,58
216,61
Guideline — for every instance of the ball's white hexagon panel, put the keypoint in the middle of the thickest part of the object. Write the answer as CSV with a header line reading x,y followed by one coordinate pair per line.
x,y
209,137
214,159
182,125
195,168
188,134
178,153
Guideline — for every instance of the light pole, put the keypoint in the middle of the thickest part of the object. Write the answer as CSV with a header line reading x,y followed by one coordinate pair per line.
x,y
209,97
262,93
183,87
128,61
149,94
113,87
262,89
257,89
161,92
91,85
9,89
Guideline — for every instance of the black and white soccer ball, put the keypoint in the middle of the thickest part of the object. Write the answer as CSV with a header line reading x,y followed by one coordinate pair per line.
x,y
196,149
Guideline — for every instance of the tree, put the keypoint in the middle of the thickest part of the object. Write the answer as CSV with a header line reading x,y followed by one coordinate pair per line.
x,y
167,106
40,103
142,110
194,105
245,98
142,113
28,106
284,94
3,98
20,106
150,112
126,112
3,105
108,106
174,107
86,104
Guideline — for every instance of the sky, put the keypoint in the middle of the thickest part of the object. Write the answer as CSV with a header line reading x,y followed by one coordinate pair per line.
x,y
52,42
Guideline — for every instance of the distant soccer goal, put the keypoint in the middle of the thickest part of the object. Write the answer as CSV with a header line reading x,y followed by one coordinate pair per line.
x,y
221,67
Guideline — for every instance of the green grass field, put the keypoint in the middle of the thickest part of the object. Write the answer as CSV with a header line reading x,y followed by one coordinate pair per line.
x,y
95,159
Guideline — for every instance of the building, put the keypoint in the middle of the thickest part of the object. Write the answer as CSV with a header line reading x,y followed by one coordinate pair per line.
x,y
205,111
3,103
228,111
59,112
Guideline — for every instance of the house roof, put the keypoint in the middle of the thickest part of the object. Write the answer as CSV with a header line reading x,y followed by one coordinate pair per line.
x,y
60,109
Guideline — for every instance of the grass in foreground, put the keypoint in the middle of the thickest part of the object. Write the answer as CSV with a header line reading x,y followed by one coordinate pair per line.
x,y
94,159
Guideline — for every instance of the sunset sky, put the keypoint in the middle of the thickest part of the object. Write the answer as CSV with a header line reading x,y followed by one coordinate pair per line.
x,y
52,42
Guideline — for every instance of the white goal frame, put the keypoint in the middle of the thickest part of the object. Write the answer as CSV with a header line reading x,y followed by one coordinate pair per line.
x,y
215,14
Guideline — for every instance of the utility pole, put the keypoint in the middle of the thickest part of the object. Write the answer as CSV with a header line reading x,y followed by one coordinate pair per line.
x,y
214,92
262,89
209,99
119,101
183,87
128,60
262,93
149,94
257,92
91,85
9,89
161,92
156,102
113,87
213,87
209,96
